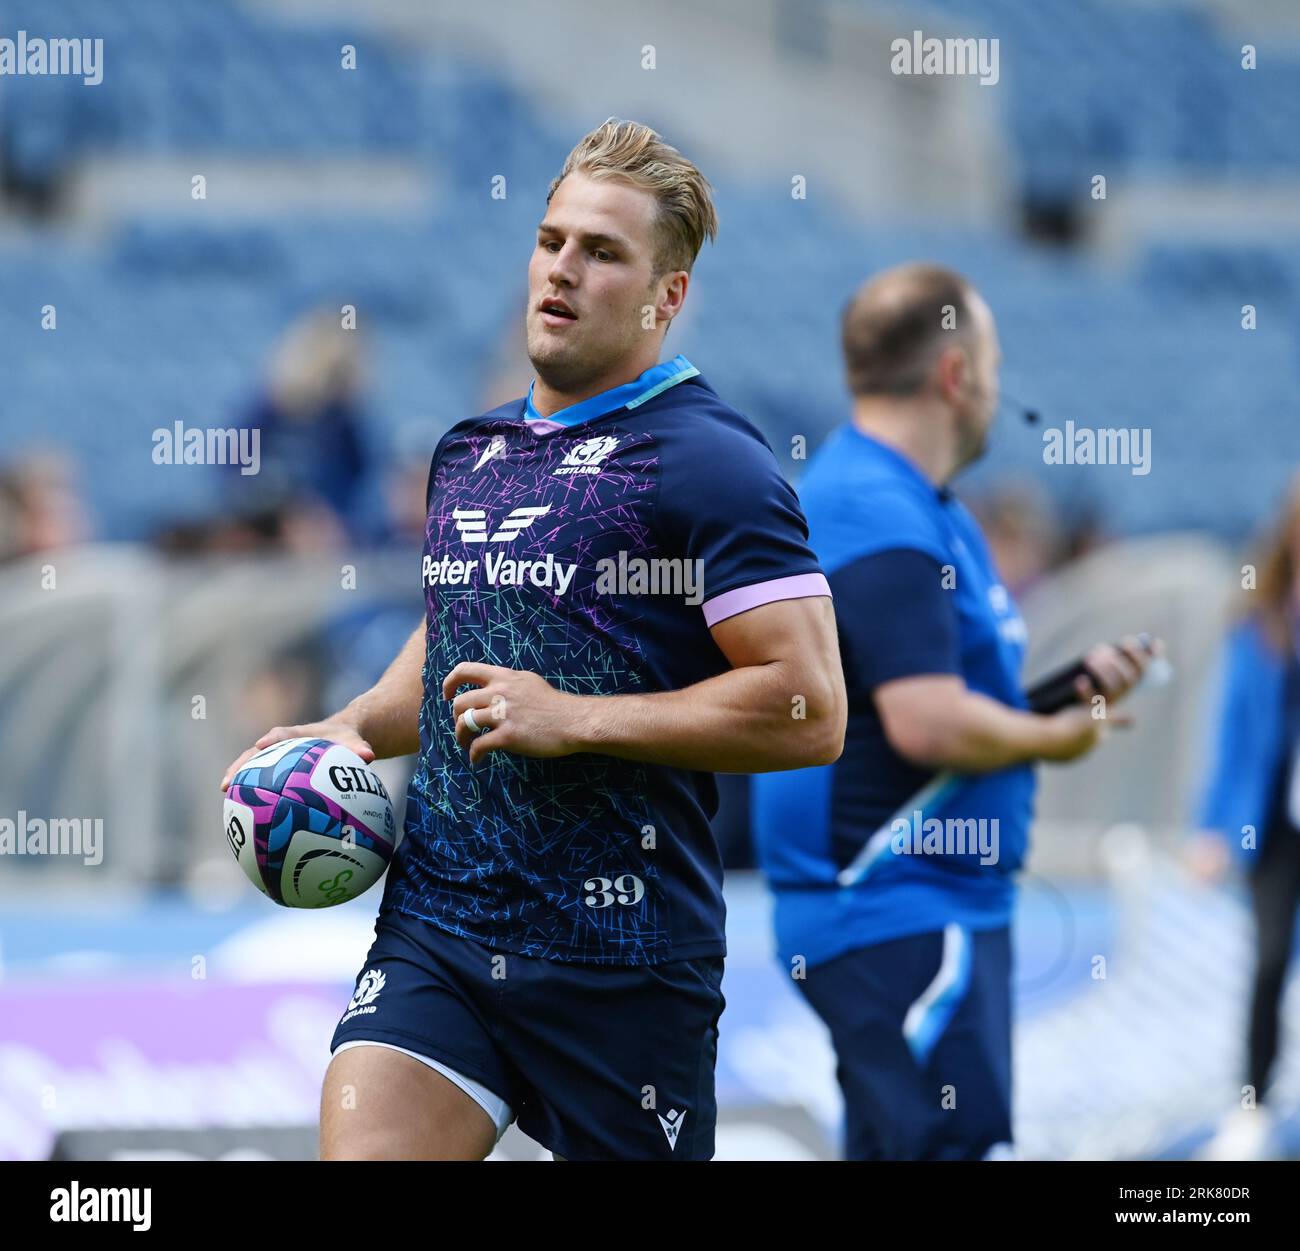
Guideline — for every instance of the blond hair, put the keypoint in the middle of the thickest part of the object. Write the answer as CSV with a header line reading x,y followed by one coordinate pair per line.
x,y
637,155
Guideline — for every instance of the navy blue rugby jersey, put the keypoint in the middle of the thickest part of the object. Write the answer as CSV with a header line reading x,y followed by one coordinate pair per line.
x,y
595,547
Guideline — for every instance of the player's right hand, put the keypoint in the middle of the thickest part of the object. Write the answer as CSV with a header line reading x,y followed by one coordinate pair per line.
x,y
336,730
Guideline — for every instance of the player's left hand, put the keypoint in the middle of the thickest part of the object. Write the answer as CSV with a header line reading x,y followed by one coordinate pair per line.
x,y
527,715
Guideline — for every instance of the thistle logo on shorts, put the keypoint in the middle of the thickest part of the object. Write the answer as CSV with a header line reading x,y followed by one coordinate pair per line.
x,y
672,1123
367,991
585,457
473,526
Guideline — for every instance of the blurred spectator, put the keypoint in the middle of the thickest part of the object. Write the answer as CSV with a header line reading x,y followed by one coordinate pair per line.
x,y
41,509
1023,533
285,526
406,484
1250,811
313,449
312,491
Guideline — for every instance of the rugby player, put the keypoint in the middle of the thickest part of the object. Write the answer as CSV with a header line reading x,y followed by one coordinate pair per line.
x,y
620,601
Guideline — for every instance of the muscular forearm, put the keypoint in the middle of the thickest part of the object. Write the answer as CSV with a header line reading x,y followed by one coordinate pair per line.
x,y
977,734
387,716
747,720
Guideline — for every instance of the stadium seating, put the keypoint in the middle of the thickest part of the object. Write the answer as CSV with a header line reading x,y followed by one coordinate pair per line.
x,y
1155,341
1104,83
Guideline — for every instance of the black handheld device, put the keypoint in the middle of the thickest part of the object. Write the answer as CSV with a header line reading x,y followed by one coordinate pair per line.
x,y
1056,690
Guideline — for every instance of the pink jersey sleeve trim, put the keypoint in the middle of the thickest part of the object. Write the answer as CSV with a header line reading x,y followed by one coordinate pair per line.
x,y
729,603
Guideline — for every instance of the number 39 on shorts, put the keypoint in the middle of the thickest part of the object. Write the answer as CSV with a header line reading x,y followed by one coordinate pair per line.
x,y
625,889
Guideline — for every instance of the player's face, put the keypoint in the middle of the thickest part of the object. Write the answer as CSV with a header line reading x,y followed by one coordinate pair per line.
x,y
980,403
590,281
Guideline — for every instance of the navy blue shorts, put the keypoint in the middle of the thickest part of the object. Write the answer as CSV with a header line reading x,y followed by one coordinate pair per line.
x,y
922,1035
596,1062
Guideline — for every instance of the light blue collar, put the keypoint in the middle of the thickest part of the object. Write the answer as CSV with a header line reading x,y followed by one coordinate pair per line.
x,y
901,461
655,379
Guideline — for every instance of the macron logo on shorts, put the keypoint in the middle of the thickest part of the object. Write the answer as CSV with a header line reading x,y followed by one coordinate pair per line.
x,y
672,1123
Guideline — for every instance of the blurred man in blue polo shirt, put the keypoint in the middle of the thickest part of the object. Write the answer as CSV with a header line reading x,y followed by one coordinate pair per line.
x,y
893,868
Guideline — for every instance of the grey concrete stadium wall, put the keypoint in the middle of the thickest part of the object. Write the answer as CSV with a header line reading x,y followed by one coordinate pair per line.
x,y
1178,587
